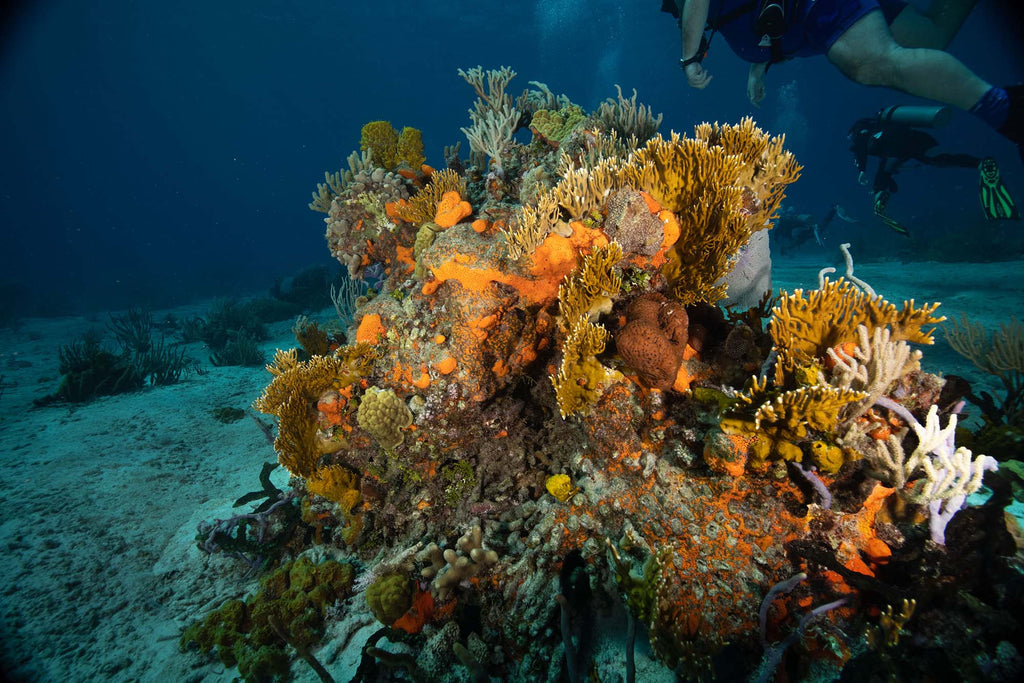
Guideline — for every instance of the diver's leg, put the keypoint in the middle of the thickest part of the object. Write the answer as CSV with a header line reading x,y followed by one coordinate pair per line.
x,y
935,27
946,160
867,53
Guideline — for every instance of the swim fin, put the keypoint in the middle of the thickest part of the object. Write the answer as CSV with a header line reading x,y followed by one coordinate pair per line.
x,y
890,222
996,200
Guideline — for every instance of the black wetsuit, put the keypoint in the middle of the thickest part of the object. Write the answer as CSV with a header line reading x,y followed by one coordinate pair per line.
x,y
894,144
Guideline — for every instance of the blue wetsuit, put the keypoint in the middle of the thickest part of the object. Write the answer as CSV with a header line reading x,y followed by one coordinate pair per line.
x,y
811,27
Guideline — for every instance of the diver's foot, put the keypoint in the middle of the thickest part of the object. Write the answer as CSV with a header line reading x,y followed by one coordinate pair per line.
x,y
995,197
1014,126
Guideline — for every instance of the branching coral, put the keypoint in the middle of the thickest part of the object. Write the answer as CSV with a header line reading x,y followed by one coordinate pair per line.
x,y
492,130
335,183
942,475
803,329
448,568
1000,354
627,118
872,366
495,118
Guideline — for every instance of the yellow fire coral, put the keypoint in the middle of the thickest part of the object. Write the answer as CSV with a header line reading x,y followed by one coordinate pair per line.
x,y
767,168
586,292
384,416
783,423
722,185
293,393
804,328
337,484
423,205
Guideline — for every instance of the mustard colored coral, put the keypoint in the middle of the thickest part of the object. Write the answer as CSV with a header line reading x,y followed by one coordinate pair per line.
x,y
384,415
560,486
295,390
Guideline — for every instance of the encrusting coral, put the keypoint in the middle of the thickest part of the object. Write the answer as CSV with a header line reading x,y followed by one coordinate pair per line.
x,y
481,390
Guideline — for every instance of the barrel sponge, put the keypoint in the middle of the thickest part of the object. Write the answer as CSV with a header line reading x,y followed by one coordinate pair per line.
x,y
381,138
389,597
384,415
410,148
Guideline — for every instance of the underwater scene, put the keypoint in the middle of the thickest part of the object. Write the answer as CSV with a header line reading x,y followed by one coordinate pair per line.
x,y
533,341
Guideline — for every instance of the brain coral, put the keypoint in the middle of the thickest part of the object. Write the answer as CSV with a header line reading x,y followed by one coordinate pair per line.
x,y
384,415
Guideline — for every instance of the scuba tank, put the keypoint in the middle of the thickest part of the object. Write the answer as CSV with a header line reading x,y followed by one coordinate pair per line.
x,y
917,116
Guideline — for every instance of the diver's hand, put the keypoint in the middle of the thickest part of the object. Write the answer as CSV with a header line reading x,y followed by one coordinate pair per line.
x,y
755,83
862,178
697,76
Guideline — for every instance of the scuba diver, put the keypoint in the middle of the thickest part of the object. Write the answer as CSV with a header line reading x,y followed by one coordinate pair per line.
x,y
893,136
876,43
793,229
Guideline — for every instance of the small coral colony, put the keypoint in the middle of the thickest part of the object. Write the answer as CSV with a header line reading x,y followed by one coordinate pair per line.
x,y
544,416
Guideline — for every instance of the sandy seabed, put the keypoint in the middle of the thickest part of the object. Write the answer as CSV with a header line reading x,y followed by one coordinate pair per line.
x,y
100,572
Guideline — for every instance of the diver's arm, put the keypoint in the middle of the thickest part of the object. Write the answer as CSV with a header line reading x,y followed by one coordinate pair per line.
x,y
693,16
755,83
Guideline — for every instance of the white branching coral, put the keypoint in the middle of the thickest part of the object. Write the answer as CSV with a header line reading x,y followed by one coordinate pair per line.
x,y
494,115
872,366
945,474
492,129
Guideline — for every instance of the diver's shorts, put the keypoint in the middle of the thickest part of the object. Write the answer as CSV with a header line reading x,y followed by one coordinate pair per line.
x,y
828,19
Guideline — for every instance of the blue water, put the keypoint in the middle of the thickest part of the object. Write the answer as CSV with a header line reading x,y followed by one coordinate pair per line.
x,y
153,153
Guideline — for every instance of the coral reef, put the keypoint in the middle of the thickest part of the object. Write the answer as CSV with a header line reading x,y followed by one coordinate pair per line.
x,y
542,416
